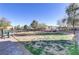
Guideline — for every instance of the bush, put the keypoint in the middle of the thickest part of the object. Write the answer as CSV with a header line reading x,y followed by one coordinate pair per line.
x,y
50,33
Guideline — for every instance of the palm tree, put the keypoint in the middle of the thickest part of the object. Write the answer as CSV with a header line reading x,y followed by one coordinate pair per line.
x,y
4,23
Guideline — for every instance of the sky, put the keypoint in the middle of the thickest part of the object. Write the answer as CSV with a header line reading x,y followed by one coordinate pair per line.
x,y
25,13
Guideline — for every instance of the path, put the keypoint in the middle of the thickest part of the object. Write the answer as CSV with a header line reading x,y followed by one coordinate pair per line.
x,y
77,37
12,47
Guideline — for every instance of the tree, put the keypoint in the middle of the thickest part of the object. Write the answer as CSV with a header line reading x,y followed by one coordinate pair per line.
x,y
42,26
59,23
18,27
72,13
26,27
73,18
34,24
62,24
4,23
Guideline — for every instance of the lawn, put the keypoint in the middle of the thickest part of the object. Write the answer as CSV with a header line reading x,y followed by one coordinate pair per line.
x,y
44,37
73,50
50,47
35,51
46,43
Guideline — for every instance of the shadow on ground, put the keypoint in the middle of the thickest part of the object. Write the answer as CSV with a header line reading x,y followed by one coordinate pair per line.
x,y
48,47
56,47
12,48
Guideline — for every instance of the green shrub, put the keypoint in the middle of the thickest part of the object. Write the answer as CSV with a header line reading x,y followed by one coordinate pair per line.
x,y
50,33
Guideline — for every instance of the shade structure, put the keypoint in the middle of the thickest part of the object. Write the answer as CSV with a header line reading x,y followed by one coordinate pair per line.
x,y
7,28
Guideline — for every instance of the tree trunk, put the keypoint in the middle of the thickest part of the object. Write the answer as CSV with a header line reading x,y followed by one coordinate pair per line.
x,y
2,33
8,34
75,37
73,28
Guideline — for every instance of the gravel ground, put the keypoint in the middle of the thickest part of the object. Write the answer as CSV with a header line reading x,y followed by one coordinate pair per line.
x,y
12,47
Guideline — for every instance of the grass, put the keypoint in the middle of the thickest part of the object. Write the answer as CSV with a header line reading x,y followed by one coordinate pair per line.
x,y
50,33
73,50
35,51
40,33
47,36
40,49
44,35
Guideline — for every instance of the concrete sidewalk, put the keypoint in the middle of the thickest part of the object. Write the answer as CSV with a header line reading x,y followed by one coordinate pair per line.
x,y
12,47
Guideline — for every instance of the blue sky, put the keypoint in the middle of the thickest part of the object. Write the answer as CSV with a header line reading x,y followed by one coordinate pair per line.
x,y
21,13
